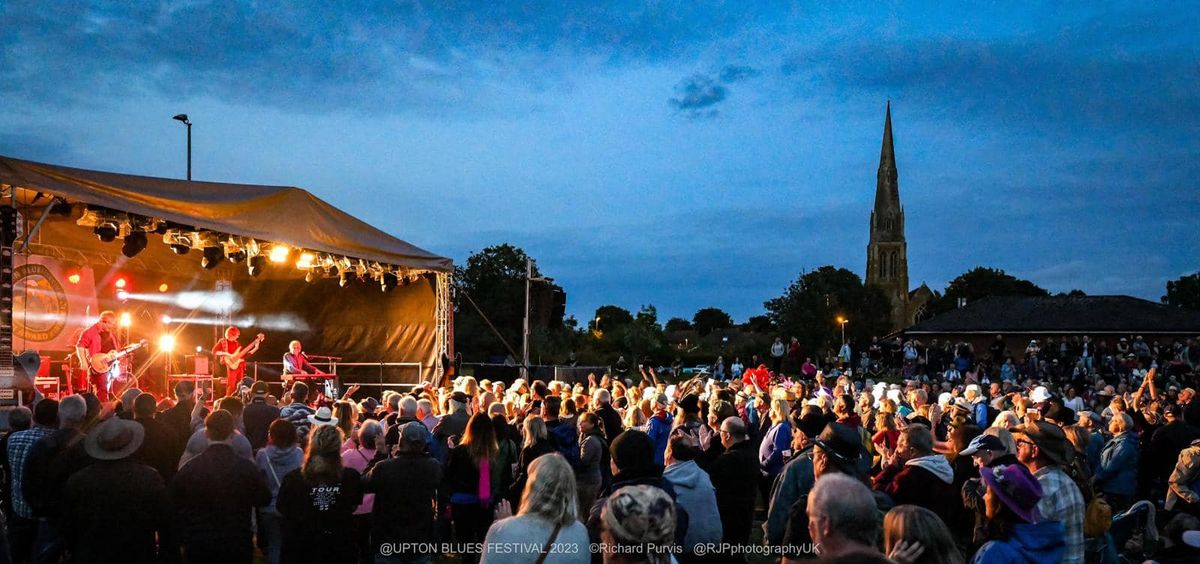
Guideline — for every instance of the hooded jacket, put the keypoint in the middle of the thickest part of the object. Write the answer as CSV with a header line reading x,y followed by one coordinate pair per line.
x,y
694,491
274,463
926,481
1028,543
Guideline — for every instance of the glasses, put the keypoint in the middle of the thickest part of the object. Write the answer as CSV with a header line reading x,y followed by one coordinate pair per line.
x,y
1026,443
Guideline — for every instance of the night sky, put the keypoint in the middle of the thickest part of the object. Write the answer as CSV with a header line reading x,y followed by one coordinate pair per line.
x,y
685,154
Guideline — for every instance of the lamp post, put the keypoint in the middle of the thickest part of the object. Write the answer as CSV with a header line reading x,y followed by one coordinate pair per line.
x,y
183,118
842,321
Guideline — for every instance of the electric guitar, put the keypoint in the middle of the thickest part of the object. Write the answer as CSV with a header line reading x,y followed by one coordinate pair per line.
x,y
101,363
235,360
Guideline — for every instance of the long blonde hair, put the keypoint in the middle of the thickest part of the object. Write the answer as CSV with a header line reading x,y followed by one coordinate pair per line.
x,y
781,410
322,458
550,492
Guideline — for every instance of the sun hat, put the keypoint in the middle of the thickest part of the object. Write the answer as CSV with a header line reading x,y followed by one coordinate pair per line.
x,y
1039,394
1016,488
323,416
114,439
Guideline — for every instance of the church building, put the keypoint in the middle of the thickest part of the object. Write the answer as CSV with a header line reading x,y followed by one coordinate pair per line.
x,y
887,251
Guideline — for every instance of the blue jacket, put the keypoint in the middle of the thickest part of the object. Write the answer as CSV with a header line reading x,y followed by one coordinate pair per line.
x,y
694,491
659,431
1028,544
775,448
1117,473
980,411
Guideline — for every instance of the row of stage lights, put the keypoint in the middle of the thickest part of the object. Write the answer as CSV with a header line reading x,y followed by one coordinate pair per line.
x,y
216,248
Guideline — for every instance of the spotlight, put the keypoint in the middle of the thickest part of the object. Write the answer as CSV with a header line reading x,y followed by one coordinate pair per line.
x,y
134,243
312,275
212,257
255,264
166,343
237,256
279,253
120,283
180,249
163,287
387,282
73,278
126,320
199,349
122,295
106,232
306,260
343,280
166,319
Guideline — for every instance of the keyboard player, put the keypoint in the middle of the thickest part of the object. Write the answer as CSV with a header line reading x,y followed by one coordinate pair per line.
x,y
296,362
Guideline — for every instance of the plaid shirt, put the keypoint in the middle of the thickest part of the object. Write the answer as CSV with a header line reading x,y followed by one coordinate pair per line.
x,y
19,445
1061,501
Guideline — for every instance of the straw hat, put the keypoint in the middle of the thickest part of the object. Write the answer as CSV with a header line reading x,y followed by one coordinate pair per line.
x,y
114,439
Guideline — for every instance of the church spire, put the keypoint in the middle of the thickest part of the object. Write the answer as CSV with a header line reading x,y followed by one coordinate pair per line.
x,y
887,155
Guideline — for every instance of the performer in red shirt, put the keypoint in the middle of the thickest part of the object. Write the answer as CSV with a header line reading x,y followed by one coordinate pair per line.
x,y
99,338
232,357
296,362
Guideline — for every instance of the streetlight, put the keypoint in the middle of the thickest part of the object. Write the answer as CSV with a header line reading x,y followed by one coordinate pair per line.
x,y
182,118
842,321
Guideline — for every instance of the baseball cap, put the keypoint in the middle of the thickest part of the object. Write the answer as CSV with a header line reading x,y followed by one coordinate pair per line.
x,y
983,442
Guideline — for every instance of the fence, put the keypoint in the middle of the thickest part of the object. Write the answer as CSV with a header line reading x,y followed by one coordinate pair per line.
x,y
546,372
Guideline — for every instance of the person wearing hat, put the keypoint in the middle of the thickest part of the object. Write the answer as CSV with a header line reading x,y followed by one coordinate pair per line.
x,y
797,477
1042,447
838,449
113,510
454,423
258,415
642,520
1011,505
405,487
986,451
323,416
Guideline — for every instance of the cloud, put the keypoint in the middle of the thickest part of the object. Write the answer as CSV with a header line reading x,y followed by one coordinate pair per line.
x,y
697,95
735,73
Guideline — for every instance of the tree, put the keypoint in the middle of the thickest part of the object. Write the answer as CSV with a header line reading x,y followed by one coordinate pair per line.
x,y
1184,292
981,282
610,318
710,319
810,306
678,324
759,324
494,279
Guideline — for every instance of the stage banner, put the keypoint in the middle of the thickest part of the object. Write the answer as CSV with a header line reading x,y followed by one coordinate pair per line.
x,y
53,302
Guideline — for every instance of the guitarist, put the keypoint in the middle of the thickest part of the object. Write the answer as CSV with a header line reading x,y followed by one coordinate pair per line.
x,y
232,357
97,339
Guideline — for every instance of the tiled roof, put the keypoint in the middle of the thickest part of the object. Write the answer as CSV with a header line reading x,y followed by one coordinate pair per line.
x,y
1062,314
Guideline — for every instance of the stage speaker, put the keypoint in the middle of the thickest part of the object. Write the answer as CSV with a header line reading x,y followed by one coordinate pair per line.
x,y
199,364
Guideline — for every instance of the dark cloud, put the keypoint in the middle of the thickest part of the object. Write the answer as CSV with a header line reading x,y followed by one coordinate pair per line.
x,y
735,73
696,96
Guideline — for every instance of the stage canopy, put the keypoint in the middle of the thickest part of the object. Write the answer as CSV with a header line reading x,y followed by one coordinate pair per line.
x,y
82,231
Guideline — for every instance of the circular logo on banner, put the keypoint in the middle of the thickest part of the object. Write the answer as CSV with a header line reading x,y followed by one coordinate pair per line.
x,y
40,296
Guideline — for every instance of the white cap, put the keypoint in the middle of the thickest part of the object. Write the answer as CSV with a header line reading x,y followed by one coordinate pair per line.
x,y
1039,394
945,398
894,395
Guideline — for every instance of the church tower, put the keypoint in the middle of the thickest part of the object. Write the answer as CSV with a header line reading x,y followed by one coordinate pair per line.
x,y
887,252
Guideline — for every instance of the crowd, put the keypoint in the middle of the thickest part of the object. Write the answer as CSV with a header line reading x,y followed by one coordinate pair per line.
x,y
783,465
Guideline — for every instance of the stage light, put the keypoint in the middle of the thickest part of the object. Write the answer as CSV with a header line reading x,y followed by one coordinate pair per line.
x,y
180,248
134,243
126,320
122,295
343,280
237,256
279,253
305,261
163,287
212,257
199,349
73,278
120,283
166,343
106,232
255,264
166,319
312,275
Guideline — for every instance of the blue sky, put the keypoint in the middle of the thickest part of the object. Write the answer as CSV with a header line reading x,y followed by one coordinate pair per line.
x,y
681,154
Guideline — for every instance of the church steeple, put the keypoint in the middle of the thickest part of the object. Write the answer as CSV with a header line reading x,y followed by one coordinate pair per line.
x,y
887,252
